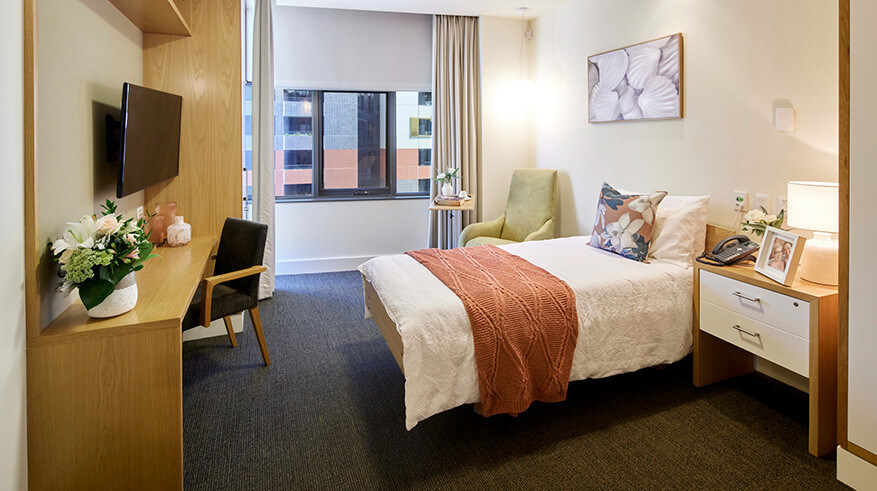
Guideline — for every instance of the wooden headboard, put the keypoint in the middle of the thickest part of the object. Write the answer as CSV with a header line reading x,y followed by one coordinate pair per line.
x,y
714,234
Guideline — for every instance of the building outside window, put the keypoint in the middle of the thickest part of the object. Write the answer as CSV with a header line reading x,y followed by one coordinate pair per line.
x,y
331,144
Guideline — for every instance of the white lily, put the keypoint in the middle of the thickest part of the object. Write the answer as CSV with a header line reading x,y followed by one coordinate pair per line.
x,y
79,235
441,176
621,232
643,204
770,218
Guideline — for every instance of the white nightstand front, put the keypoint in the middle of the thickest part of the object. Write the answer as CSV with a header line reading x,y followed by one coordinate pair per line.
x,y
740,315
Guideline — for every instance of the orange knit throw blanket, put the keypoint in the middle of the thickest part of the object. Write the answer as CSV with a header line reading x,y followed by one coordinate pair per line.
x,y
524,323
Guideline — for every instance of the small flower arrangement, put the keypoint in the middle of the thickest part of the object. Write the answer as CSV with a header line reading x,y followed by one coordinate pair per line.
x,y
451,174
96,253
757,220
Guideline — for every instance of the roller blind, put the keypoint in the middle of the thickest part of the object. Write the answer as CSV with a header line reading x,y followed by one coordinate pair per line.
x,y
351,50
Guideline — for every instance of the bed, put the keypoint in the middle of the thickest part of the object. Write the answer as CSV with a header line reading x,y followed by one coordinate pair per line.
x,y
631,315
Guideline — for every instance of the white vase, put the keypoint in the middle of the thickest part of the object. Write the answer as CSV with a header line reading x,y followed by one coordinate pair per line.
x,y
180,233
447,189
123,299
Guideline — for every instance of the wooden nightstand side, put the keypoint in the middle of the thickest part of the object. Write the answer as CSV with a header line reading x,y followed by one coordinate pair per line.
x,y
717,359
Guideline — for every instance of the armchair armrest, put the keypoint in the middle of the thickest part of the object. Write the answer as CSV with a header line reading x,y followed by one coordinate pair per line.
x,y
546,231
482,229
210,282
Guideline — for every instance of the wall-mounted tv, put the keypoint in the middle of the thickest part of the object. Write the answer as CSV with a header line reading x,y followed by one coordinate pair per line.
x,y
148,138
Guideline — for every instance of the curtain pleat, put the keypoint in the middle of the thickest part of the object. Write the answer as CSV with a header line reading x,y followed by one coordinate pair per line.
x,y
263,134
457,113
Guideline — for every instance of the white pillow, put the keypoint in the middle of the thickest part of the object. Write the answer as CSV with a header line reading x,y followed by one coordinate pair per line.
x,y
680,229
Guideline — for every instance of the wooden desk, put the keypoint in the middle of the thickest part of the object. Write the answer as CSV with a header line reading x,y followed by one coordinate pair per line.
x,y
455,218
740,315
105,396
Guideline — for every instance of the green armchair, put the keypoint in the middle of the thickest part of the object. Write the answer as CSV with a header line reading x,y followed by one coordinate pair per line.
x,y
529,212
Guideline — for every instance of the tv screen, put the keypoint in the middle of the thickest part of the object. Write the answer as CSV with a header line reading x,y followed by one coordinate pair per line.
x,y
149,150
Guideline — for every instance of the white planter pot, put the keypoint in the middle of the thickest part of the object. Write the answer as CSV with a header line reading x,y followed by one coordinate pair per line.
x,y
122,300
447,189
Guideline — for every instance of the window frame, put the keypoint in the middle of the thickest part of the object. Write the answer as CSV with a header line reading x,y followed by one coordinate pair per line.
x,y
319,192
389,161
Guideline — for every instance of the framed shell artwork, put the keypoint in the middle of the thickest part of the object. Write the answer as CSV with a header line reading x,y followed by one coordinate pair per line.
x,y
636,83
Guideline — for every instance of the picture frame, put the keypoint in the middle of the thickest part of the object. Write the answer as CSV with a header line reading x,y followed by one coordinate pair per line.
x,y
640,82
779,255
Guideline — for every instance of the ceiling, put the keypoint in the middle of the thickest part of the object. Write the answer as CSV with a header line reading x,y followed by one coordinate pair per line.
x,y
499,8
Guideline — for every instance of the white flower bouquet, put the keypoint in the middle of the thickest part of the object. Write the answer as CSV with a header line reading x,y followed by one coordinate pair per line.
x,y
757,220
96,253
450,175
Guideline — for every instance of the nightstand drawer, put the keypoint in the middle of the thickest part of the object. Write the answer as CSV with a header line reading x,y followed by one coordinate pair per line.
x,y
759,304
759,339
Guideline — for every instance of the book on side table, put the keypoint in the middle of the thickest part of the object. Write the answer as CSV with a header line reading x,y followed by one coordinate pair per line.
x,y
450,200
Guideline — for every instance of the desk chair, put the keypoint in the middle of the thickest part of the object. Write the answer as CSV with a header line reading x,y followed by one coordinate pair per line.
x,y
234,286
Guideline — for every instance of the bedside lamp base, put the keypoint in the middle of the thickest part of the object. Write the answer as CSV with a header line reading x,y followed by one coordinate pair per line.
x,y
819,260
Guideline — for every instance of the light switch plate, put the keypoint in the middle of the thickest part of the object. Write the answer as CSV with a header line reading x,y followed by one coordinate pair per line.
x,y
781,203
784,119
762,201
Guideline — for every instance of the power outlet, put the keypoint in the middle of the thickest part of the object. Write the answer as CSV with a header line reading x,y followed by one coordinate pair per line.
x,y
782,204
762,201
740,200
140,212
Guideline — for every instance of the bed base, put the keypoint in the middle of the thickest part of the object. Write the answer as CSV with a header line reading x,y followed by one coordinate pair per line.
x,y
714,234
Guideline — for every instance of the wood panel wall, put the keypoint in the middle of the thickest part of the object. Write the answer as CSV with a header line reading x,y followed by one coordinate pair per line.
x,y
206,70
32,246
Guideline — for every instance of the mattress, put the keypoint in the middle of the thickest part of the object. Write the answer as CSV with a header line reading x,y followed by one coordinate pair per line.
x,y
631,315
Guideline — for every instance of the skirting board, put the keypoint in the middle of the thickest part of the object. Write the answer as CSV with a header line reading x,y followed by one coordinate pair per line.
x,y
324,265
217,328
856,473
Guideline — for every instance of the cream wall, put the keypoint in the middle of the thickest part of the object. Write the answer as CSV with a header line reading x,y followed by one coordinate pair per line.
x,y
740,59
323,236
87,49
862,427
505,116
13,443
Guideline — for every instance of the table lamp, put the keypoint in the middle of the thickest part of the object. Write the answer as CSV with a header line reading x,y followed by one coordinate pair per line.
x,y
814,206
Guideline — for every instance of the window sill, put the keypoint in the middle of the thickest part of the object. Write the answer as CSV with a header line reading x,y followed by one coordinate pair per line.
x,y
380,197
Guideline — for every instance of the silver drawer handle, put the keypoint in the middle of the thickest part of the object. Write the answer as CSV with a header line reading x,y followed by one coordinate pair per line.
x,y
744,331
744,297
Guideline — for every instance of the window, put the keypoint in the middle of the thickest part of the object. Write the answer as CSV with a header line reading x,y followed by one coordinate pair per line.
x,y
341,144
413,148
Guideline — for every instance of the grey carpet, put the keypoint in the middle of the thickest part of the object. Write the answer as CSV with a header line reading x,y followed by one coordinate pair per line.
x,y
328,414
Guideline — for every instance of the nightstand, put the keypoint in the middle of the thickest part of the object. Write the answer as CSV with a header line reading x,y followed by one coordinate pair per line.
x,y
740,315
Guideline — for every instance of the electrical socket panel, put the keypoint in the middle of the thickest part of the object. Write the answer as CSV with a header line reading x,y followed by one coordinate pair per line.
x,y
140,212
762,201
740,201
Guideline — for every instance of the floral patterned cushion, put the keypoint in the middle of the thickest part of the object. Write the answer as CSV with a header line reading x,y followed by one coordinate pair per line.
x,y
625,222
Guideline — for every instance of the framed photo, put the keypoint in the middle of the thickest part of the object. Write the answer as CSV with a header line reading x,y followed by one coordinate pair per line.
x,y
779,255
639,82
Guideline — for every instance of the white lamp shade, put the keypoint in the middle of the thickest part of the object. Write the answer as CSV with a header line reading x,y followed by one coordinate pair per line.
x,y
813,206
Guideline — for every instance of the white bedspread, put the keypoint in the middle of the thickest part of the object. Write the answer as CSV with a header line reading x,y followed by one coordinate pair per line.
x,y
631,315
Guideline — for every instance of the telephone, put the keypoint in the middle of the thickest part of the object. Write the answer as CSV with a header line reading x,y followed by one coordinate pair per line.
x,y
729,251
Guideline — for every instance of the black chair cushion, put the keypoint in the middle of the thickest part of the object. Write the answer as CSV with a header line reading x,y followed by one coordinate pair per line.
x,y
226,301
241,246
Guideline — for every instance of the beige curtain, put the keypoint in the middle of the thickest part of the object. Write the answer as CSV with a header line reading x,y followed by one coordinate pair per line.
x,y
456,102
263,134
